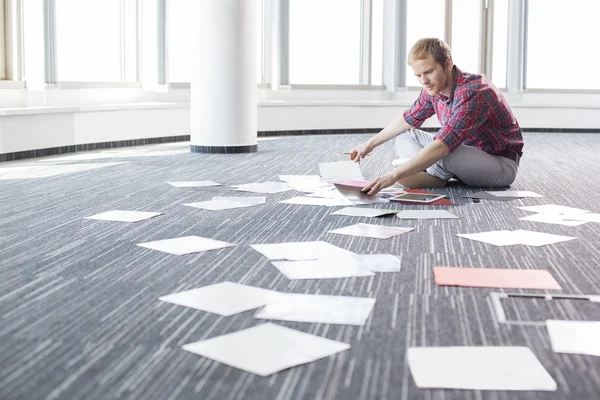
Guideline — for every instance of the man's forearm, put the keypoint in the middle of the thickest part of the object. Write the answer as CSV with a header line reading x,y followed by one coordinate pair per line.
x,y
392,130
422,160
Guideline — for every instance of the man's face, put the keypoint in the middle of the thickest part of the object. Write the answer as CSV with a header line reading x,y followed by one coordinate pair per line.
x,y
434,77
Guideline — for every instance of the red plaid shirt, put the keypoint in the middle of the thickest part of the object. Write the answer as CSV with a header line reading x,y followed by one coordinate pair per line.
x,y
476,114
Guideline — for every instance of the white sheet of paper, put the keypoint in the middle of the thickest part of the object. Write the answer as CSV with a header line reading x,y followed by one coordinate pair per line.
x,y
557,219
327,268
243,199
508,238
574,337
552,209
266,349
582,216
531,238
263,187
225,298
327,194
185,245
425,214
372,231
296,251
378,262
310,187
513,193
299,178
478,368
395,190
364,212
124,216
340,170
318,309
497,238
216,205
317,201
186,184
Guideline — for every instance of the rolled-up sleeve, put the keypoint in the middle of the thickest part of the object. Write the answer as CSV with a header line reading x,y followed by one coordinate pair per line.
x,y
467,116
421,109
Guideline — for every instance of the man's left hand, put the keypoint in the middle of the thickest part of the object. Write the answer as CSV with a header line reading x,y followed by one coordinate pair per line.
x,y
380,183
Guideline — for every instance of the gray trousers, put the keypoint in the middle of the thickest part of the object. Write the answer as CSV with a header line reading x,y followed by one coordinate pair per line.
x,y
471,165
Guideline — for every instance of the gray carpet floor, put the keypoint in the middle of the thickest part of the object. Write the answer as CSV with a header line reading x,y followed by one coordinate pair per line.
x,y
79,310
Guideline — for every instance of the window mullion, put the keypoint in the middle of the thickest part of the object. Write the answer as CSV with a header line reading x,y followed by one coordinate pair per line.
x,y
517,31
394,44
50,43
161,27
365,42
269,29
487,37
283,42
3,41
448,23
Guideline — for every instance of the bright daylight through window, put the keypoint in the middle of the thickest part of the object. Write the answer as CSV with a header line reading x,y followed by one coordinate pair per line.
x,y
89,45
325,42
500,45
466,35
562,47
425,18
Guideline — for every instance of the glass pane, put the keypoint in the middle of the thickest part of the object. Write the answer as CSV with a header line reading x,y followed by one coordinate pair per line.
x,y
377,43
562,44
466,34
89,46
324,41
180,25
500,49
259,39
425,18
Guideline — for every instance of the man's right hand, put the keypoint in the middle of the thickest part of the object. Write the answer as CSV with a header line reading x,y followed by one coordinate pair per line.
x,y
359,152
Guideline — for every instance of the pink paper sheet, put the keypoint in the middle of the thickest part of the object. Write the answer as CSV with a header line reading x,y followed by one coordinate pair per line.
x,y
495,278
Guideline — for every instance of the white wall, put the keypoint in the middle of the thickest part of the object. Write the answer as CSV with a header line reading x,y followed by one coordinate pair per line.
x,y
63,117
56,129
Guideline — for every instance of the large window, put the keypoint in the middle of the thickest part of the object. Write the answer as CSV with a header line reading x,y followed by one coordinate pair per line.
x,y
425,18
89,40
500,45
2,41
260,39
324,41
180,28
466,34
377,43
562,44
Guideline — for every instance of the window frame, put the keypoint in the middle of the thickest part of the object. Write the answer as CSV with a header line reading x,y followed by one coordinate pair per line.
x,y
275,44
130,14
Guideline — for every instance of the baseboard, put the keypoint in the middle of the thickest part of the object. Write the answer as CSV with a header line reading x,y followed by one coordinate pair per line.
x,y
20,155
427,129
52,151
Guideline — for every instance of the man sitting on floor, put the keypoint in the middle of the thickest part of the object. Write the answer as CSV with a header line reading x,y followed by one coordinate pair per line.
x,y
479,141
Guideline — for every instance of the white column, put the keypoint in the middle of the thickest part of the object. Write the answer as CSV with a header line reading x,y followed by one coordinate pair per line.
x,y
223,87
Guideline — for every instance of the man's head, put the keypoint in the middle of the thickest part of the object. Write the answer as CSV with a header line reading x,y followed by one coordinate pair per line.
x,y
431,61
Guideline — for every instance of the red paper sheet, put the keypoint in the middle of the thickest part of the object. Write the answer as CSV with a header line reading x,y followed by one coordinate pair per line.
x,y
495,278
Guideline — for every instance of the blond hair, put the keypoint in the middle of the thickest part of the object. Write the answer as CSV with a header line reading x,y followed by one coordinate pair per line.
x,y
437,48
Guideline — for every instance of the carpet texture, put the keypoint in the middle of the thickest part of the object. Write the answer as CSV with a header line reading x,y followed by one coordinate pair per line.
x,y
79,310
